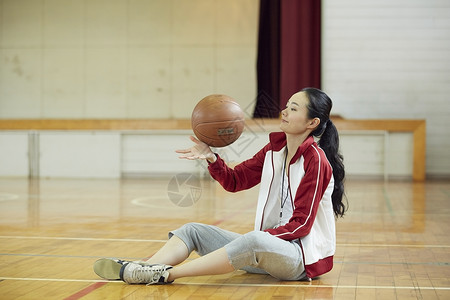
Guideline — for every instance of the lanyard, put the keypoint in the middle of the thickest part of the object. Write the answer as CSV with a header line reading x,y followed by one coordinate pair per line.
x,y
283,201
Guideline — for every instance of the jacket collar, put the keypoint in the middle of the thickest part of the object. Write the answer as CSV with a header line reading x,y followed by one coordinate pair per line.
x,y
278,142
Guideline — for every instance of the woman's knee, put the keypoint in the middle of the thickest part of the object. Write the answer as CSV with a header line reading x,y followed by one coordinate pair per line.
x,y
187,231
255,239
189,234
192,228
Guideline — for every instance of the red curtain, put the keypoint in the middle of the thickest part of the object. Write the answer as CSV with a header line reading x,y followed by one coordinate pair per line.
x,y
288,52
268,63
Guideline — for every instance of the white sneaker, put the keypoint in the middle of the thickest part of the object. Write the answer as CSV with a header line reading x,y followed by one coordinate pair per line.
x,y
109,268
133,272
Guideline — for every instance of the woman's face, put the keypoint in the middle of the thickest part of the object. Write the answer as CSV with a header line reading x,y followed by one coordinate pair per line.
x,y
294,118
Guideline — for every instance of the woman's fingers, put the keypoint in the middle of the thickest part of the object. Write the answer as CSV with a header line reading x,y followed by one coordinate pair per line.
x,y
187,157
199,151
183,151
194,139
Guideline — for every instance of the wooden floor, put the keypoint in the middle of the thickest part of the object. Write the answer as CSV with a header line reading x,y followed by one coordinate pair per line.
x,y
393,244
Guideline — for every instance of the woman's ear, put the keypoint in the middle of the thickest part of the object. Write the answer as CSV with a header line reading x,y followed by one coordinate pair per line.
x,y
314,123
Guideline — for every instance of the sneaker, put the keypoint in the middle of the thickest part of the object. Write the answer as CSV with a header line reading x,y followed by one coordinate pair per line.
x,y
144,273
109,268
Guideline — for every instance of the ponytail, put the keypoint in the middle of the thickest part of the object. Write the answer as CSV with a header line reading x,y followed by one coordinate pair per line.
x,y
319,106
329,142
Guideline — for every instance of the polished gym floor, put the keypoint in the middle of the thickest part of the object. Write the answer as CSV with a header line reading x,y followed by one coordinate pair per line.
x,y
393,243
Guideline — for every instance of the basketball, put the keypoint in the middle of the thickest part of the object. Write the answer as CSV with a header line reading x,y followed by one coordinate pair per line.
x,y
217,120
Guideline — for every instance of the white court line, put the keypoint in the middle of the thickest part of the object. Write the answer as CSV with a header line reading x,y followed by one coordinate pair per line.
x,y
394,245
57,279
306,285
163,241
322,286
141,201
77,239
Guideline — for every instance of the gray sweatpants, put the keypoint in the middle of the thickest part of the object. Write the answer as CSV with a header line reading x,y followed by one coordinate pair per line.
x,y
254,252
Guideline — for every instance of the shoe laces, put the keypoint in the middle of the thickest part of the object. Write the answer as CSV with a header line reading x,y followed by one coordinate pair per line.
x,y
149,274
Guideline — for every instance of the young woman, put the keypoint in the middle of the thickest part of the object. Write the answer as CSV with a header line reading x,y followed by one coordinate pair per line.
x,y
300,195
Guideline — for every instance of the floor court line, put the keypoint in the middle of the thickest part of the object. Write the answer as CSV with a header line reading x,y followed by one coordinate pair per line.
x,y
393,245
163,241
78,239
63,256
85,291
287,285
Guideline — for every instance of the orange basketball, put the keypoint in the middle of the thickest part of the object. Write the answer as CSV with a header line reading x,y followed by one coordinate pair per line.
x,y
217,120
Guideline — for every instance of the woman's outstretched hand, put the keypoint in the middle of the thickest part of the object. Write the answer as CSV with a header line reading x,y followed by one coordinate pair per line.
x,y
199,151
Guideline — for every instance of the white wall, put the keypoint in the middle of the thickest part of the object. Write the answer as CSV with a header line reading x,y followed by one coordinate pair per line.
x,y
80,154
391,59
14,148
124,58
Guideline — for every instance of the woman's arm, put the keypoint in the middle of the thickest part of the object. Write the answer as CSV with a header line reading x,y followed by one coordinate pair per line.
x,y
243,176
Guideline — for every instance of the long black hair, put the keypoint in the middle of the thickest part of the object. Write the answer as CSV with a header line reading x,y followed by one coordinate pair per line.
x,y
319,106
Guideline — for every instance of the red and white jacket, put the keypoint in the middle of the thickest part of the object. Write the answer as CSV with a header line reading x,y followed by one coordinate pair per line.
x,y
311,184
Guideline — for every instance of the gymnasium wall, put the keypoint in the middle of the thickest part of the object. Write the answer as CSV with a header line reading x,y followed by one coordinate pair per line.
x,y
85,59
391,59
124,58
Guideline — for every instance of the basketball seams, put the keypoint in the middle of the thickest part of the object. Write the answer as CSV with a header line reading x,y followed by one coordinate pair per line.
x,y
218,120
202,112
223,122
